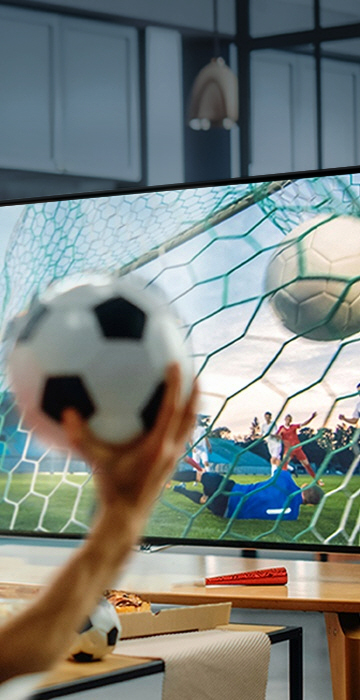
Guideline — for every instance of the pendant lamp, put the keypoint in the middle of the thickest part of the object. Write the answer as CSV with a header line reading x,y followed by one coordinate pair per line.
x,y
214,95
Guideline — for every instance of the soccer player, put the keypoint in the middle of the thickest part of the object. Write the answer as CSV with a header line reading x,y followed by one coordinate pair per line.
x,y
354,420
128,478
264,500
273,441
289,436
202,446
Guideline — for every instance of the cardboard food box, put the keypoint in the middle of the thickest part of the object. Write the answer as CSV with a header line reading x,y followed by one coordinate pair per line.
x,y
138,624
190,619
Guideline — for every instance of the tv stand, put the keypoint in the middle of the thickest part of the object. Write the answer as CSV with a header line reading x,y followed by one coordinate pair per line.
x,y
248,553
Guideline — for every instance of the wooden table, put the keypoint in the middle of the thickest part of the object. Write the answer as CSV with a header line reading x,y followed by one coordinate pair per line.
x,y
68,677
330,587
101,678
167,576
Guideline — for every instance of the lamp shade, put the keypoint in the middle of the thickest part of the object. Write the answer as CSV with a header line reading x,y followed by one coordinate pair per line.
x,y
214,97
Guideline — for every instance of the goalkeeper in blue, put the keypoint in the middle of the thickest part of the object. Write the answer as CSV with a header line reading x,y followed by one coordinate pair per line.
x,y
263,500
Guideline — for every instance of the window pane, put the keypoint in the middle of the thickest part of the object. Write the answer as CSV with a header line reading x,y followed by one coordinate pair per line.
x,y
334,13
280,16
346,48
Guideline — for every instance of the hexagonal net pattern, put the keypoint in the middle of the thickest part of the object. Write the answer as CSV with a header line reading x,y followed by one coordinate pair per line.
x,y
210,249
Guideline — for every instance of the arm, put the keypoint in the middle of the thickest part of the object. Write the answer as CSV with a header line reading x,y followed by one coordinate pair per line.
x,y
353,420
306,422
128,478
274,433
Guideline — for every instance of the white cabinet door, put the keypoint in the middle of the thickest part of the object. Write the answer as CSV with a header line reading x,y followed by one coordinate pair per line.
x,y
69,96
283,115
164,106
99,97
340,113
26,92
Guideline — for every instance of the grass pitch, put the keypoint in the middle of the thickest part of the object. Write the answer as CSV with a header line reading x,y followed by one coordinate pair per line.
x,y
174,515
51,503
58,503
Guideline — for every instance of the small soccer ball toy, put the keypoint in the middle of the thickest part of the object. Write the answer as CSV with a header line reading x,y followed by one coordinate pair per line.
x,y
100,344
99,634
313,278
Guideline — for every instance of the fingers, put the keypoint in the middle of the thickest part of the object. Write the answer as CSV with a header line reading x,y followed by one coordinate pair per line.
x,y
189,413
149,457
175,417
80,438
74,427
169,405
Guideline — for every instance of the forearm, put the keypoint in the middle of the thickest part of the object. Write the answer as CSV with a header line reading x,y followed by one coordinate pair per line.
x,y
128,478
351,421
41,635
306,422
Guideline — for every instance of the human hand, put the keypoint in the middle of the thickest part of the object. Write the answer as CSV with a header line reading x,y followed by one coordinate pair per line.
x,y
132,474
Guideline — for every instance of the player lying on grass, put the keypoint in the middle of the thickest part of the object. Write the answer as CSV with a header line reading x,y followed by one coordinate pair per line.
x,y
263,500
128,479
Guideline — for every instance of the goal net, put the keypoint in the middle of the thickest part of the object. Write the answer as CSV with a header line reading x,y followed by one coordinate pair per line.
x,y
208,248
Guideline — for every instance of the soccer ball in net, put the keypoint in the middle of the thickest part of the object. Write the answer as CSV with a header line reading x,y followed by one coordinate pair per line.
x,y
313,278
100,344
98,635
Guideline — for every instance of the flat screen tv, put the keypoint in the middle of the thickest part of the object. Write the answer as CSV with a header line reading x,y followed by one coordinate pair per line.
x,y
265,275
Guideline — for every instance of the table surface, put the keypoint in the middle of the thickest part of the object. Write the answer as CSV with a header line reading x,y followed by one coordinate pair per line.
x,y
169,576
68,672
325,586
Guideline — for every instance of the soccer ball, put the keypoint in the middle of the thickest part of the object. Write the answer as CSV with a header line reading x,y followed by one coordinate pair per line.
x,y
98,635
100,344
313,278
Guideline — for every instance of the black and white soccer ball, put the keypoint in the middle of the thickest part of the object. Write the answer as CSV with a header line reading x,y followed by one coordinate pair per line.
x,y
99,634
100,344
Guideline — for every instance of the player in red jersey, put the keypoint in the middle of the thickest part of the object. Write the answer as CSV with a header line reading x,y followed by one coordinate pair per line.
x,y
289,436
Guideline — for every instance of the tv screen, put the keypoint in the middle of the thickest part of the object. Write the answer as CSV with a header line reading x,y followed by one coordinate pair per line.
x,y
265,276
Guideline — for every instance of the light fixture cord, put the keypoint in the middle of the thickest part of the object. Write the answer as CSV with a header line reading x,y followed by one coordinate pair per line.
x,y
216,33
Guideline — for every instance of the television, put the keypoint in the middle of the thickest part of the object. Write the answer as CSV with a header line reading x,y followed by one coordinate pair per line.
x,y
264,274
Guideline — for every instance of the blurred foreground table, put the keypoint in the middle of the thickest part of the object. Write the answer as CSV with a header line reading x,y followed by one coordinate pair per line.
x,y
168,576
112,677
329,587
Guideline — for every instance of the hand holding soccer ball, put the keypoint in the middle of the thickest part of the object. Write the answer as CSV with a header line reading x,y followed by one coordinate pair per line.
x,y
98,344
129,475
